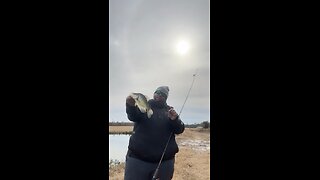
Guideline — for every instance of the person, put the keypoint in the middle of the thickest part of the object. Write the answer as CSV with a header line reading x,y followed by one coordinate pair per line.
x,y
150,136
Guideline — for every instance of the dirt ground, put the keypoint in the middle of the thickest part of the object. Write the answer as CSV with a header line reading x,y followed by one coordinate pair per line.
x,y
120,129
192,161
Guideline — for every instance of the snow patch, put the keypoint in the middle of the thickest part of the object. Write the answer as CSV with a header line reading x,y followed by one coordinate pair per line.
x,y
196,144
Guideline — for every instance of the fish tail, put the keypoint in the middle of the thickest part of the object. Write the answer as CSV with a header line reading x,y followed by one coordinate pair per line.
x,y
149,113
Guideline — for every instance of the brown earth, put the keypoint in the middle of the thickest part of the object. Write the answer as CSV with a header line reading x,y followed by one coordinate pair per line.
x,y
192,161
113,129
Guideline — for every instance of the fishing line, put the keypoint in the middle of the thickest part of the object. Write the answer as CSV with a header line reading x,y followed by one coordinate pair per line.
x,y
194,76
157,170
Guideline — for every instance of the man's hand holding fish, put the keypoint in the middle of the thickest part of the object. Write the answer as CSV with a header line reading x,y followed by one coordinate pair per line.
x,y
130,101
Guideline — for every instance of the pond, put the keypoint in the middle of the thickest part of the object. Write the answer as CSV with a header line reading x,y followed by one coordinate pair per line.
x,y
118,146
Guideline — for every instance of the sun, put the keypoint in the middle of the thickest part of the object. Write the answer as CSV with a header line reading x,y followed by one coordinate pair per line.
x,y
182,47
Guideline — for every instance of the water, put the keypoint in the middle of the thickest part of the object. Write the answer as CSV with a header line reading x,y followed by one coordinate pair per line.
x,y
118,146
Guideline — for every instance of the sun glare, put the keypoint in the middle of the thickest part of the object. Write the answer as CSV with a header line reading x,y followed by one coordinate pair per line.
x,y
183,47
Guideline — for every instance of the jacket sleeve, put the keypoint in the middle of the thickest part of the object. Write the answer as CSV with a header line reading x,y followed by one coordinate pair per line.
x,y
177,125
133,113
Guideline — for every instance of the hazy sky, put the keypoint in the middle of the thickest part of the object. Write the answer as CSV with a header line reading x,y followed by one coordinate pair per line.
x,y
154,43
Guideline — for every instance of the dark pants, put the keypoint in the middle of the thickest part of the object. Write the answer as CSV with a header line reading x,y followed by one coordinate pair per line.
x,y
136,169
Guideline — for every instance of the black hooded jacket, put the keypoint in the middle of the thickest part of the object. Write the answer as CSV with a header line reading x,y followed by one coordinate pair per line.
x,y
150,136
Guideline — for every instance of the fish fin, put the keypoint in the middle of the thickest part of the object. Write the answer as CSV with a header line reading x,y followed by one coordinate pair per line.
x,y
149,113
143,110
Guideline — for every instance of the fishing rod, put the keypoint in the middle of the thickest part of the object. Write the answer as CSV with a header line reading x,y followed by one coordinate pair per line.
x,y
155,175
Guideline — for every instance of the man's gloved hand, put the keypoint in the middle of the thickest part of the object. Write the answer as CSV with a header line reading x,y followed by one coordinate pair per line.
x,y
172,114
130,101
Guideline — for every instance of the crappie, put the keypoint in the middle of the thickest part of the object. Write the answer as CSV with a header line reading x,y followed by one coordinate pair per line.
x,y
142,103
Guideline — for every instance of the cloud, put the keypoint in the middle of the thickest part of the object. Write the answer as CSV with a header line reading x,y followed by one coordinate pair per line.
x,y
142,54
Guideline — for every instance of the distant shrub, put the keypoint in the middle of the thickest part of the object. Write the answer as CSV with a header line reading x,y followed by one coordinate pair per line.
x,y
113,162
205,124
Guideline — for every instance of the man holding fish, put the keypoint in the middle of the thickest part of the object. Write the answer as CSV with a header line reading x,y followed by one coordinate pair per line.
x,y
154,121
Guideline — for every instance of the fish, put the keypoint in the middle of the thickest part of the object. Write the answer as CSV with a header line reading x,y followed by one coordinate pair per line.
x,y
141,101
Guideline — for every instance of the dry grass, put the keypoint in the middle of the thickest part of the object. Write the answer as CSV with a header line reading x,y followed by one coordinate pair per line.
x,y
120,129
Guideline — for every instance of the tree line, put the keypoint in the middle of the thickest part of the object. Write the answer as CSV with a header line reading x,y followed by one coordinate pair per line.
x,y
121,123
